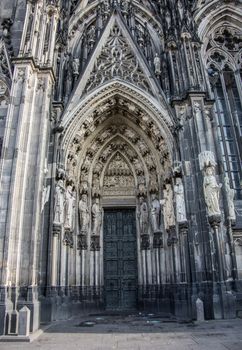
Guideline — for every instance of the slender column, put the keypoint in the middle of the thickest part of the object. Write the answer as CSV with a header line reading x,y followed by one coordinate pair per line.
x,y
54,262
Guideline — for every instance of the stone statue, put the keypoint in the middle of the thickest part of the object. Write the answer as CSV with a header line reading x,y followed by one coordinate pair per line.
x,y
68,83
155,213
69,207
211,192
76,66
59,201
230,198
169,216
84,214
180,201
157,64
96,217
143,216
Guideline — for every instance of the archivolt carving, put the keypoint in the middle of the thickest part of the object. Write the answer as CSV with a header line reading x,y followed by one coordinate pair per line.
x,y
93,104
117,137
137,116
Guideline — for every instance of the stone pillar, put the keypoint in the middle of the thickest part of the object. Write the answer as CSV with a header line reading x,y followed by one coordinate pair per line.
x,y
200,310
24,322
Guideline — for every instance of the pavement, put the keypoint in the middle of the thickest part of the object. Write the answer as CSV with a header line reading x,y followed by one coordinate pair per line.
x,y
135,332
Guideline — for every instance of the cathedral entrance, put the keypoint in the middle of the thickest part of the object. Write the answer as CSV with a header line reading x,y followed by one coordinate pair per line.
x,y
120,259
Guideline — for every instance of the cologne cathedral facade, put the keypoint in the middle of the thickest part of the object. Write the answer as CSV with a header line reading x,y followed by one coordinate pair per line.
x,y
121,150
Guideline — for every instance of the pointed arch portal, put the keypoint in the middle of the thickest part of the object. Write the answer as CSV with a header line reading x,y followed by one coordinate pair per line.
x,y
115,153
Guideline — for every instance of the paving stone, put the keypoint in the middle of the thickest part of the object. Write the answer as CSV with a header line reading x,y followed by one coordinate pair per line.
x,y
120,334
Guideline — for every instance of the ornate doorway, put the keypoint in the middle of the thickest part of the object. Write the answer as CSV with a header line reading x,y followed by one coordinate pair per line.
x,y
120,259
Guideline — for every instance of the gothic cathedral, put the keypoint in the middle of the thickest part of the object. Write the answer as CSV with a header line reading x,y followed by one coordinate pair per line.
x,y
121,150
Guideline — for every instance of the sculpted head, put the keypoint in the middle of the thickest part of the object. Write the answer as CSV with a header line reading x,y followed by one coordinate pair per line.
x,y
84,197
141,200
209,171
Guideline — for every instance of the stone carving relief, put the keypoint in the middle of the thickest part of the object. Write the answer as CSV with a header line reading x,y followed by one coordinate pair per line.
x,y
157,64
117,60
211,188
206,159
70,204
143,216
84,215
155,213
103,112
153,186
230,192
96,217
180,201
211,191
169,215
59,203
118,179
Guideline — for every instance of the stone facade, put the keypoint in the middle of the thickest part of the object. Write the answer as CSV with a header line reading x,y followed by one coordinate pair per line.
x,y
120,104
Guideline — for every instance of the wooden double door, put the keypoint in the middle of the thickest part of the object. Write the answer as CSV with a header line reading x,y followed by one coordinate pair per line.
x,y
120,259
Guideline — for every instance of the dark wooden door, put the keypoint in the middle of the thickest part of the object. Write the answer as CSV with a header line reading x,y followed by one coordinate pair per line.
x,y
120,259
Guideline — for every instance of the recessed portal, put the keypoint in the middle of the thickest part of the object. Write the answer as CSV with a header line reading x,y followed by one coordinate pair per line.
x,y
120,259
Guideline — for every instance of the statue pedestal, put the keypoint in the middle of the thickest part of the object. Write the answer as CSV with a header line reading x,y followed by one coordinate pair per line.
x,y
158,240
82,242
145,242
95,243
172,236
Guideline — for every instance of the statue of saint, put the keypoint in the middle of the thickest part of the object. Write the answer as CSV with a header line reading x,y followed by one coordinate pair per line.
x,y
84,214
157,64
143,216
180,201
169,216
76,66
69,207
155,213
59,201
230,199
211,191
96,217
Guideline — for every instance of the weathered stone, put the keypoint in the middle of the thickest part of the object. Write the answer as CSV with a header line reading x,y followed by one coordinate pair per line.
x,y
112,184
200,310
24,322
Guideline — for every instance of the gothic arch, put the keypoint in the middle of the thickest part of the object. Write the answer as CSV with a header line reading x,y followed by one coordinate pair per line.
x,y
216,16
101,99
109,113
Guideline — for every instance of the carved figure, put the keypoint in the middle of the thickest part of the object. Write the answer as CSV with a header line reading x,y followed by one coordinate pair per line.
x,y
211,192
59,201
155,213
69,207
96,217
180,201
157,64
84,214
230,198
92,33
143,216
169,216
76,66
